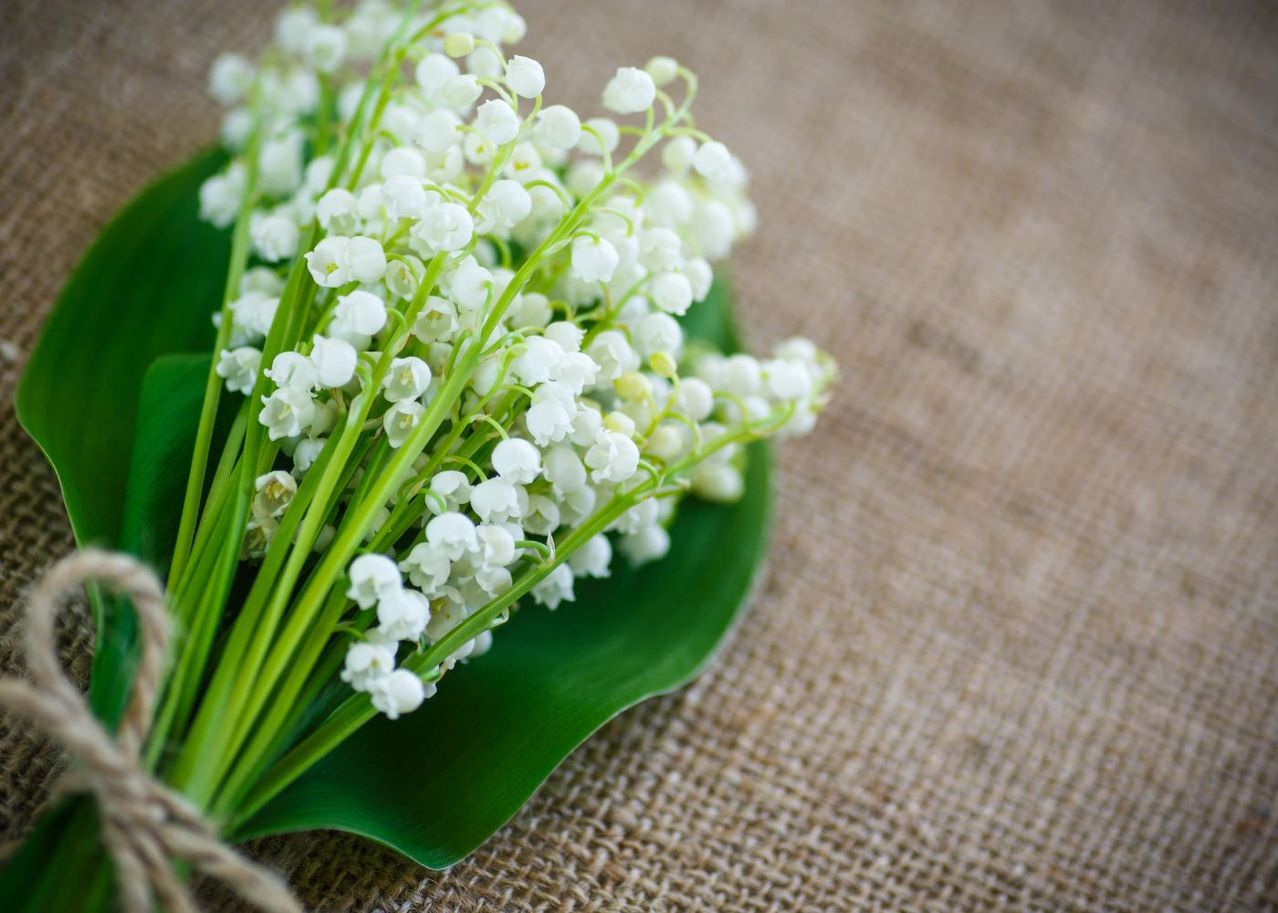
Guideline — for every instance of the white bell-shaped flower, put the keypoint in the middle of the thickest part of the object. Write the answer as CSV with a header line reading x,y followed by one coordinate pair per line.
x,y
648,544
230,78
443,228
469,284
402,160
272,493
497,122
496,546
337,211
275,237
630,91
613,457
436,321
400,420
660,249
367,662
542,516
433,72
461,92
558,128
221,195
427,566
713,162
663,70
717,481
359,312
525,77
555,588
658,333
599,135
280,164
550,416
239,367
334,361
293,27
294,371
505,205
325,48
614,355
371,576
714,228
567,334
397,693
402,196
453,533
365,259
787,379
537,363
451,488
564,470
437,131
495,501
287,412
516,461
576,371
306,453
594,259
672,292
593,558
402,614
407,379
700,276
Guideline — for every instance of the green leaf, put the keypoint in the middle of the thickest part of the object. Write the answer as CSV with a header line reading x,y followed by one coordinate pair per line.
x,y
168,417
146,288
437,783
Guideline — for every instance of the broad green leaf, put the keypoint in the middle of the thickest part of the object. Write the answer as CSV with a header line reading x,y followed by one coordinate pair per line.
x,y
437,783
146,288
168,416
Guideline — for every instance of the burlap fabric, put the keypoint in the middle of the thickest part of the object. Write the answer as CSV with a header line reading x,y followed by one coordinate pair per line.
x,y
1017,647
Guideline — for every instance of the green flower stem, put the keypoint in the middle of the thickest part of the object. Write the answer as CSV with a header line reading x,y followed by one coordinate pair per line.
x,y
241,701
260,667
261,748
213,383
214,705
179,590
198,643
178,687
333,565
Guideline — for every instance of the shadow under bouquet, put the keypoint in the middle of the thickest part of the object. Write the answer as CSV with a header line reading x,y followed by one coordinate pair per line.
x,y
466,347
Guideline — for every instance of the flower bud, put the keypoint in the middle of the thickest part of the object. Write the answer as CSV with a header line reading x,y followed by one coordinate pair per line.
x,y
459,44
663,365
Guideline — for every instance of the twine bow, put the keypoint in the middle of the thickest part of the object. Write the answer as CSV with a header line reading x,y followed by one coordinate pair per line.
x,y
145,824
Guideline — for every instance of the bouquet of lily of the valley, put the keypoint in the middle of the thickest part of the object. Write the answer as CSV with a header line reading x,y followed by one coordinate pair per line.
x,y
471,357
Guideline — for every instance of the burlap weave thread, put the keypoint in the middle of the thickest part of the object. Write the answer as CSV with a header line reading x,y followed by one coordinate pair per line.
x,y
1017,646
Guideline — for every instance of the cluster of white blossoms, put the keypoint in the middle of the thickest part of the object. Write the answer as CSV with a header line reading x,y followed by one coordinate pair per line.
x,y
488,314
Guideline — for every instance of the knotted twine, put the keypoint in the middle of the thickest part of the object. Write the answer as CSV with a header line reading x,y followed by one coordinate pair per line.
x,y
145,824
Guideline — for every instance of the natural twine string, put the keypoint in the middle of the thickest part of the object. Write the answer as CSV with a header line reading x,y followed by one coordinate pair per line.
x,y
145,824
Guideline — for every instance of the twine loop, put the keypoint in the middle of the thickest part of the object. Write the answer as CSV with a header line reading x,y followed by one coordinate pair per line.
x,y
145,824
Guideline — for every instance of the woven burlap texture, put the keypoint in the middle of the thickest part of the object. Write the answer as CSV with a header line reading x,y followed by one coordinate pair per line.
x,y
1017,644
